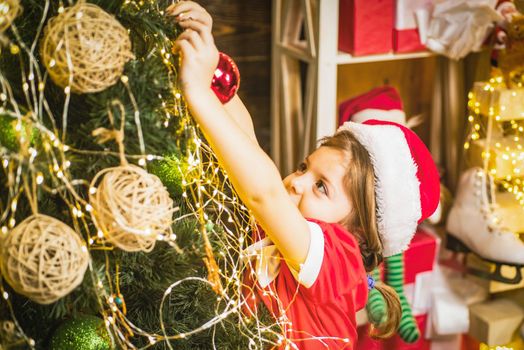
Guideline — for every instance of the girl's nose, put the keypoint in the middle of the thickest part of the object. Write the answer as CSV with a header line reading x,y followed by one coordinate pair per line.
x,y
298,184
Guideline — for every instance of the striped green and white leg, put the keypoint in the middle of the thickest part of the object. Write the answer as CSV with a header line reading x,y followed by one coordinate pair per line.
x,y
408,328
376,306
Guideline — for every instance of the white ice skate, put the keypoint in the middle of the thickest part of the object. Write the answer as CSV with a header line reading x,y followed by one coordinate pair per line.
x,y
474,225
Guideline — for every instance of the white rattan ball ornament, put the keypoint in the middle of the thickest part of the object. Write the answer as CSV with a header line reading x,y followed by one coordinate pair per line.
x,y
9,9
43,259
131,207
84,48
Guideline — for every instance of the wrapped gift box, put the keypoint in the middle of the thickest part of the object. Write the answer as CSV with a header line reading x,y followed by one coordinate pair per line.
x,y
503,151
365,27
419,259
510,211
469,343
406,36
365,342
494,322
452,293
506,103
451,342
395,342
420,255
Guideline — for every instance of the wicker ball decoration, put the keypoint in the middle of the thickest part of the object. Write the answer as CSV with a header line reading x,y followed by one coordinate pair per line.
x,y
9,9
43,259
131,207
94,43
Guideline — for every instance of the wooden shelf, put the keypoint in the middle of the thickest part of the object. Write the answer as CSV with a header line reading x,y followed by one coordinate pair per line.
x,y
345,58
305,65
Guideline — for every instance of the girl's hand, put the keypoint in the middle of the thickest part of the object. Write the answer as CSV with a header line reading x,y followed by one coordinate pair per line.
x,y
196,46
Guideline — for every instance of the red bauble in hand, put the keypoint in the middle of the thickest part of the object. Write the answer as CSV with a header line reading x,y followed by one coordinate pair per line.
x,y
226,79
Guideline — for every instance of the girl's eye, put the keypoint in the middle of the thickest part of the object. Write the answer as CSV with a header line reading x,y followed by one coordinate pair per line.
x,y
302,167
321,187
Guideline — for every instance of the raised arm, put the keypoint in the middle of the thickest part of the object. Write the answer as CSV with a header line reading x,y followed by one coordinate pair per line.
x,y
252,172
236,110
192,16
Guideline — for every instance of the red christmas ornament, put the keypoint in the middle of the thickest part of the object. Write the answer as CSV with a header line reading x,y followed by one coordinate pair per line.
x,y
226,79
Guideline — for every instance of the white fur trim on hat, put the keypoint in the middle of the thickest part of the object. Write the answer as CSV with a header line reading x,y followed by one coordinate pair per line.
x,y
392,115
396,184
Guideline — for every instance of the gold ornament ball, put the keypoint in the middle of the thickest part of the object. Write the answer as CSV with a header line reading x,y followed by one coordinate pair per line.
x,y
43,259
84,48
131,207
9,9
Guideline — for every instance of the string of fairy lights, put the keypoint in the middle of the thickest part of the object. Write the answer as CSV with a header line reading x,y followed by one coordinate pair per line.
x,y
207,192
496,129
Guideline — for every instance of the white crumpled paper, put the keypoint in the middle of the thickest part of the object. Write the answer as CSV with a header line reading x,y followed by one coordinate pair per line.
x,y
457,27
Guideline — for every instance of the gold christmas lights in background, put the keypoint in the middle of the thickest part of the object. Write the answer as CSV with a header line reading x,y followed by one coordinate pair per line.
x,y
496,133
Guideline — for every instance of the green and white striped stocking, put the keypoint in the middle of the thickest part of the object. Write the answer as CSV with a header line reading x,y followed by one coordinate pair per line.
x,y
376,306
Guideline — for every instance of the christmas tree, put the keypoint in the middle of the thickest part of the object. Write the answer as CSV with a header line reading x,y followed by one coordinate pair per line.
x,y
118,227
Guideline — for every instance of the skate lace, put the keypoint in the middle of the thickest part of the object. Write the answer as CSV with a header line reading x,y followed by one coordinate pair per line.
x,y
494,219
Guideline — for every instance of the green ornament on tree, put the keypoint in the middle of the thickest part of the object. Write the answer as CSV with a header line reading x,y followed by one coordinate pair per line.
x,y
10,136
170,171
82,333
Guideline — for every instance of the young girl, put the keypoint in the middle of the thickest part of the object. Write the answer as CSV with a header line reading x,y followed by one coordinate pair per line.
x,y
354,200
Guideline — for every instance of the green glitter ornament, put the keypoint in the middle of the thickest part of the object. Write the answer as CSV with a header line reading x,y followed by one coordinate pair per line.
x,y
210,226
9,136
170,171
82,333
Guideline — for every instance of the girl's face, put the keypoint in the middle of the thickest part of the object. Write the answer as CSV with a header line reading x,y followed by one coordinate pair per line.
x,y
317,188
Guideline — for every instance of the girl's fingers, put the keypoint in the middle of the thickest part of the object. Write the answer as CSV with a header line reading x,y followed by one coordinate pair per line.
x,y
193,38
184,48
200,28
189,10
203,18
184,6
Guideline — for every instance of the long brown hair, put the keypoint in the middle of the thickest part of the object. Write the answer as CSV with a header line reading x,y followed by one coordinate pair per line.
x,y
359,182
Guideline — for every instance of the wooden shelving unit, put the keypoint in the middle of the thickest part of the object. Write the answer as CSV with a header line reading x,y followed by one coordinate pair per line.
x,y
345,58
305,61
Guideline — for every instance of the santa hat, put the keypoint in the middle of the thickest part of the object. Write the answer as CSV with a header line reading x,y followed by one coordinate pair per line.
x,y
407,187
382,103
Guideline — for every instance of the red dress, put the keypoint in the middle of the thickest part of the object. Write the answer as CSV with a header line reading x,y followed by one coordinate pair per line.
x,y
317,305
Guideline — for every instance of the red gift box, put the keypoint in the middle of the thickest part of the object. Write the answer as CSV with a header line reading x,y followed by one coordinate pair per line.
x,y
396,343
420,255
418,258
406,37
407,40
365,27
364,342
468,343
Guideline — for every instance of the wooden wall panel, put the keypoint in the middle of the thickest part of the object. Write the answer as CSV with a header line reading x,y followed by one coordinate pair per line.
x,y
242,29
413,79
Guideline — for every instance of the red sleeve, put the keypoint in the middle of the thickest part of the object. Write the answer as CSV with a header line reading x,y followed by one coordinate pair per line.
x,y
342,269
